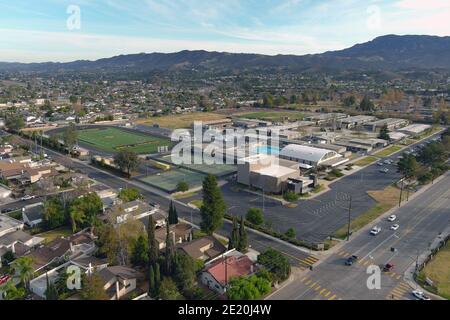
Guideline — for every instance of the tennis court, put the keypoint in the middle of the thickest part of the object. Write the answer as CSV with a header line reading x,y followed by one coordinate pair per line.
x,y
114,139
218,170
169,180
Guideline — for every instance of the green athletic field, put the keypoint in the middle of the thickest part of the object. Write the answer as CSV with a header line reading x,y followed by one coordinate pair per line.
x,y
115,139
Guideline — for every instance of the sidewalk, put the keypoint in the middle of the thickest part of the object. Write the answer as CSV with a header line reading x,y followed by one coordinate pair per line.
x,y
409,273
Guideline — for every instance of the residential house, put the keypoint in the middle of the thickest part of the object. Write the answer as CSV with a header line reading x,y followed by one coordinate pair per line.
x,y
217,273
204,248
33,214
60,250
120,281
136,210
86,265
180,233
8,225
17,242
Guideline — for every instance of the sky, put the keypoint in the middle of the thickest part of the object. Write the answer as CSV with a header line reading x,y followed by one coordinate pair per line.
x,y
67,30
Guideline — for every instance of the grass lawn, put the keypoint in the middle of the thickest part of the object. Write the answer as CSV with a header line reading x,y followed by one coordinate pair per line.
x,y
388,151
56,233
438,270
114,139
365,161
272,116
185,195
182,120
198,203
386,199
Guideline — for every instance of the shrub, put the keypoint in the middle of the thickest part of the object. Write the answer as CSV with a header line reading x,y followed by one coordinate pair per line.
x,y
290,196
290,233
255,216
182,186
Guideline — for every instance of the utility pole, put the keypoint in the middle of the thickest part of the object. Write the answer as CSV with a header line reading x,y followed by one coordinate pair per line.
x,y
349,217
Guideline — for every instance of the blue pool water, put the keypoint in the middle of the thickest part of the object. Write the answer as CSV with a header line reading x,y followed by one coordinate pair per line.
x,y
268,150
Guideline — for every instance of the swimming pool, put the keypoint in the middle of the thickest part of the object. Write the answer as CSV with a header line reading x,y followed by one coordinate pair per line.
x,y
268,150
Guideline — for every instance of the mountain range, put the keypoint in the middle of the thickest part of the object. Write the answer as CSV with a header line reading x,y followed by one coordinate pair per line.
x,y
386,53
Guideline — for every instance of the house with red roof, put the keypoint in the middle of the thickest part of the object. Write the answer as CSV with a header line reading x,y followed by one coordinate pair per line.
x,y
218,273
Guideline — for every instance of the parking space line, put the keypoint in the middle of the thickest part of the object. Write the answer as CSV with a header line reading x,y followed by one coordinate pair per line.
x,y
308,282
321,291
303,280
318,287
329,292
333,297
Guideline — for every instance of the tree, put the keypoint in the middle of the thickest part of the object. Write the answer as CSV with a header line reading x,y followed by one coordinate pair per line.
x,y
153,247
51,292
384,133
127,161
12,292
23,267
168,290
7,258
290,233
84,210
129,194
433,153
255,216
173,214
185,273
182,186
139,255
93,288
213,207
248,288
169,254
366,104
276,263
157,275
54,214
151,281
14,122
233,242
349,101
243,240
268,101
408,166
70,137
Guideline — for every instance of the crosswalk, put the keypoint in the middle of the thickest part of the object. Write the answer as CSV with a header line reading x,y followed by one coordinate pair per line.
x,y
365,262
307,262
318,288
399,291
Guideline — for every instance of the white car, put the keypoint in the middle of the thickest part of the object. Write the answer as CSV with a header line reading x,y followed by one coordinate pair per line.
x,y
27,197
395,227
380,164
392,218
385,170
375,231
420,295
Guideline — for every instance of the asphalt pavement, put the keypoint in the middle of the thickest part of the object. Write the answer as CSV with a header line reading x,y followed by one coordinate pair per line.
x,y
421,221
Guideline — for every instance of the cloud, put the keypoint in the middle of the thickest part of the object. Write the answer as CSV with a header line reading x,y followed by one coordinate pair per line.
x,y
67,46
423,4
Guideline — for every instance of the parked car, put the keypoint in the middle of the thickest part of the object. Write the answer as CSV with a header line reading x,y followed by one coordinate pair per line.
x,y
4,279
420,295
351,260
27,197
392,218
388,267
380,164
395,227
375,231
385,170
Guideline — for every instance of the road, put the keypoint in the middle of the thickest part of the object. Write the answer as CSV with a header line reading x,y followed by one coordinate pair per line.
x,y
421,221
298,257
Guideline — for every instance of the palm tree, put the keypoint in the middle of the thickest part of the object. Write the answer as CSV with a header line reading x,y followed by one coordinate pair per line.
x,y
23,268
